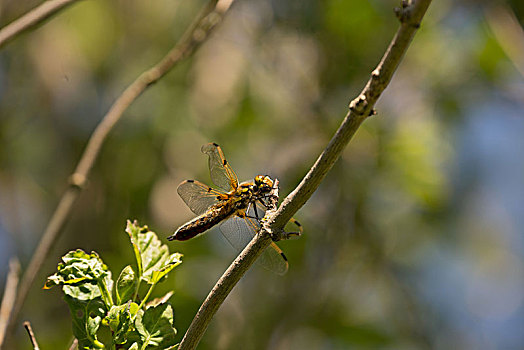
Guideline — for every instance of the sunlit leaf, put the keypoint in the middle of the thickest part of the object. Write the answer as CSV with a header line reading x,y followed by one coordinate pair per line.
x,y
132,230
155,327
126,285
119,320
80,274
172,261
152,255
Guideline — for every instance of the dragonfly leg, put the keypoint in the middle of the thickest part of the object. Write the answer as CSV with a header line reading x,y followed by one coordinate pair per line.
x,y
293,234
257,217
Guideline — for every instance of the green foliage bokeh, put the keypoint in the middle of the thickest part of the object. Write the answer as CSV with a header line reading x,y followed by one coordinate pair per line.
x,y
270,86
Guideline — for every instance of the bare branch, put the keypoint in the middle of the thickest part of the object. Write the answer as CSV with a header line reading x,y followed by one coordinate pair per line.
x,y
199,31
360,108
29,330
32,19
8,299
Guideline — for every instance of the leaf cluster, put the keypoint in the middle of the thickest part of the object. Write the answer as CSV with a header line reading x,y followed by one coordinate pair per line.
x,y
96,302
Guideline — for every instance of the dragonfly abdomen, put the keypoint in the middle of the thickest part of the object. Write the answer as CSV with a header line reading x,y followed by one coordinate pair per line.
x,y
202,223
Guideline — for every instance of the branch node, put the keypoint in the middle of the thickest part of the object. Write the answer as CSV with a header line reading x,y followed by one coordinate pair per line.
x,y
359,105
78,180
272,202
199,35
404,13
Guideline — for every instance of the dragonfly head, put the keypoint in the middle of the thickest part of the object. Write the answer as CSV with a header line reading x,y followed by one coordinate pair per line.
x,y
263,184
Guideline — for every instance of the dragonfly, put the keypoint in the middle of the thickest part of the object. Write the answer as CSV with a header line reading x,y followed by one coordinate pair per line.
x,y
238,208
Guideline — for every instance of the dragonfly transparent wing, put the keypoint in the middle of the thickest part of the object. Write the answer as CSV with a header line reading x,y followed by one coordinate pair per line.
x,y
239,232
198,196
221,173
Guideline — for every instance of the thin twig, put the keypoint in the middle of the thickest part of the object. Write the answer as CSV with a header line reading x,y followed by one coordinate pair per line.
x,y
360,108
29,330
32,19
8,299
199,31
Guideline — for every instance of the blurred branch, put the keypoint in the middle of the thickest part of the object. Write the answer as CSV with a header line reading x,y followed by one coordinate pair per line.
x,y
508,32
8,300
29,330
32,19
198,32
410,16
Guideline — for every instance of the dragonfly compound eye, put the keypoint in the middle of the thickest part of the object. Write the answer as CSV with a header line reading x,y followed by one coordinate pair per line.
x,y
259,179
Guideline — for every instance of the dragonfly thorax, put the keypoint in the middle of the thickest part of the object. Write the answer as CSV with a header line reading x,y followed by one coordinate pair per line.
x,y
249,192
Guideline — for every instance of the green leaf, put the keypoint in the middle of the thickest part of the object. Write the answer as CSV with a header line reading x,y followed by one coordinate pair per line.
x,y
119,319
172,261
152,256
78,266
126,285
84,291
81,274
132,230
155,327
87,316
134,346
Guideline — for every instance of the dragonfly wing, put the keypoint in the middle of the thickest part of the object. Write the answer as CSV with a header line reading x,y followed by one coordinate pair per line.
x,y
198,196
240,231
221,173
237,233
274,259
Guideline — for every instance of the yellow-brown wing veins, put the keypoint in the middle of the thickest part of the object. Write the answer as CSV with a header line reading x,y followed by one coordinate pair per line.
x,y
221,172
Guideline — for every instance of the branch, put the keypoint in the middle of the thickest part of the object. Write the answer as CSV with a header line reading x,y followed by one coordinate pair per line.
x,y
360,108
32,19
198,32
29,330
8,299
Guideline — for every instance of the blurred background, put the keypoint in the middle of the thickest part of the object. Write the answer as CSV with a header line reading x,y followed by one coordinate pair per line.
x,y
415,239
